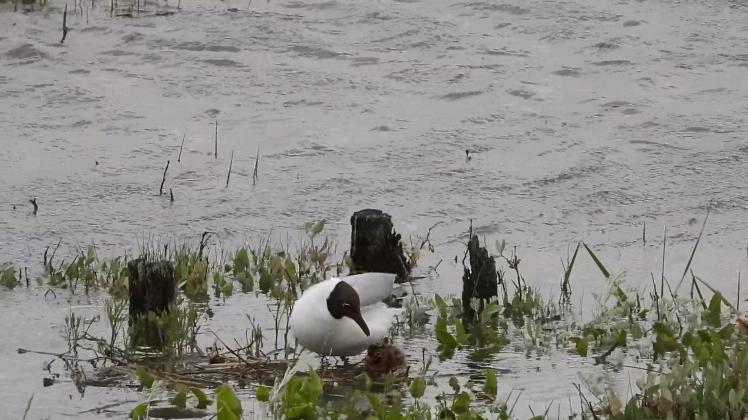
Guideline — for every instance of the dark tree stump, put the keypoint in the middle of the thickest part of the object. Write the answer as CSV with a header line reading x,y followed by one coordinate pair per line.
x,y
152,290
375,246
481,280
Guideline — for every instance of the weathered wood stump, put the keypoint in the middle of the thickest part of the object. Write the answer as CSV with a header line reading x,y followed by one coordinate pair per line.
x,y
480,280
152,290
375,246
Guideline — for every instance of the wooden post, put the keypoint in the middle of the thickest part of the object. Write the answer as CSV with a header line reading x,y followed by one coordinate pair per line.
x,y
480,280
375,246
152,290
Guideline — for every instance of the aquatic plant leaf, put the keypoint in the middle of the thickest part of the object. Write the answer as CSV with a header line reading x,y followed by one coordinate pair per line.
x,y
180,399
302,411
146,379
461,404
202,398
139,412
491,386
223,411
441,305
241,261
8,277
454,384
460,334
567,272
228,405
597,261
311,388
263,393
417,387
712,315
376,404
581,344
318,227
489,311
665,341
447,342
266,281
636,331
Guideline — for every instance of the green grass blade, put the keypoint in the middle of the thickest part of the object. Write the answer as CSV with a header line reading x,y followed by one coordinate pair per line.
x,y
567,274
597,261
693,252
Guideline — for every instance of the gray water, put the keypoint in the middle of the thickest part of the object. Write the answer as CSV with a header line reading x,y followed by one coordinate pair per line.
x,y
584,120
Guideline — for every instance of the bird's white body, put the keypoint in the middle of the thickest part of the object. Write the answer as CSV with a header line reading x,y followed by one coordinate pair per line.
x,y
317,330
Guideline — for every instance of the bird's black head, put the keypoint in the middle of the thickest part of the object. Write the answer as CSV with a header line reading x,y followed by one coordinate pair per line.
x,y
344,301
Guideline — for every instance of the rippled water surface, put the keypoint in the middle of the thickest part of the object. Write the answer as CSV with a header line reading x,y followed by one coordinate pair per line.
x,y
584,120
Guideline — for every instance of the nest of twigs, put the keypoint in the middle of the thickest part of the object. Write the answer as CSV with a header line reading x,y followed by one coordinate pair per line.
x,y
216,367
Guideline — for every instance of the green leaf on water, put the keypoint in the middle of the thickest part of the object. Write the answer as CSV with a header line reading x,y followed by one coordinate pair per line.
x,y
489,311
582,345
311,388
376,404
567,273
266,281
665,341
228,405
461,404
263,393
8,276
417,387
202,398
318,227
712,315
180,399
440,305
597,261
146,379
241,261
139,412
460,333
491,386
454,384
447,342
223,412
636,331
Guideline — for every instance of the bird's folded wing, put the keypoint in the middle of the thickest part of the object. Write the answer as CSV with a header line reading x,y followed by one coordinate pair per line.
x,y
371,287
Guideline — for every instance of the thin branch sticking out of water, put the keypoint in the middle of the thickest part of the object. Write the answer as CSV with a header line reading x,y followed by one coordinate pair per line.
x,y
231,163
257,163
171,195
215,153
28,407
179,158
161,189
662,273
36,206
64,24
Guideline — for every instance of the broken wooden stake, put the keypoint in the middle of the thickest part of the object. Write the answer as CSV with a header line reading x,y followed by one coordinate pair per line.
x,y
257,163
375,246
179,158
64,24
480,281
231,163
215,153
152,290
161,188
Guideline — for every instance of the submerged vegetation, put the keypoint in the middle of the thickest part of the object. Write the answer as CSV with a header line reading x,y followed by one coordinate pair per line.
x,y
687,353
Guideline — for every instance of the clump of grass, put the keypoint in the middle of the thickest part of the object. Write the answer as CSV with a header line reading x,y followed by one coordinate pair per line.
x,y
8,276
